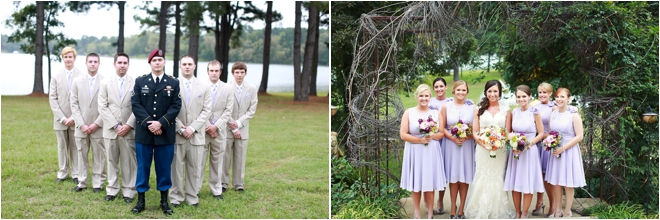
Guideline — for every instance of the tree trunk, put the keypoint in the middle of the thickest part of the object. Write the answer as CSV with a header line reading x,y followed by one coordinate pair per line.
x,y
218,44
266,60
162,20
488,66
193,40
315,58
46,40
297,75
309,52
456,70
38,86
120,38
177,39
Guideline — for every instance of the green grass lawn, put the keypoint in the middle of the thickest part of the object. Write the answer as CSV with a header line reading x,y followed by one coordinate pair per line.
x,y
476,89
286,175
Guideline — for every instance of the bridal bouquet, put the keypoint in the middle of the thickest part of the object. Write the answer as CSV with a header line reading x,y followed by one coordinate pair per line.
x,y
552,141
427,127
492,138
461,130
517,143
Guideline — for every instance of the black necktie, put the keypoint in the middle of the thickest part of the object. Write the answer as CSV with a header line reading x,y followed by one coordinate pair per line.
x,y
157,80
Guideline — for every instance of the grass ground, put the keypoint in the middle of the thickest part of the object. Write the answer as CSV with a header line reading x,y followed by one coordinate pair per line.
x,y
286,169
476,89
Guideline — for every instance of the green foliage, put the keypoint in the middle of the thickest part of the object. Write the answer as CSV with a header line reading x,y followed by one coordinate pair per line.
x,y
24,23
250,51
601,51
618,211
365,208
348,200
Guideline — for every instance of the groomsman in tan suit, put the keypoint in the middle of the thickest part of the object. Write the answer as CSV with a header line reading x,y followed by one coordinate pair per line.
x,y
222,103
118,133
84,107
63,123
190,125
245,105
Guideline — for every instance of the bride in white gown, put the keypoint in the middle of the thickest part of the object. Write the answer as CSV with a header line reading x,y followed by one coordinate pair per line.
x,y
486,195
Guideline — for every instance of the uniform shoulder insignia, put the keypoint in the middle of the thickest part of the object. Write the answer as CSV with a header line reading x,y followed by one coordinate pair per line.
x,y
142,76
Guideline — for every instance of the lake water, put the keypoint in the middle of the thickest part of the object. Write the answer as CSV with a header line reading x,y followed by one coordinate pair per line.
x,y
18,73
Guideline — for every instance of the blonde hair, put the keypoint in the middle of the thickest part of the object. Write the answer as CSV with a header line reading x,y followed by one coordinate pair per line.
x,y
69,49
460,83
568,93
213,63
421,89
545,87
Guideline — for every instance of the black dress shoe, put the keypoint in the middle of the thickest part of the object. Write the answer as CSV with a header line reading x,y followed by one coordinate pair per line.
x,y
241,190
97,190
128,200
78,189
59,180
218,197
75,180
224,189
109,198
175,205
166,208
195,205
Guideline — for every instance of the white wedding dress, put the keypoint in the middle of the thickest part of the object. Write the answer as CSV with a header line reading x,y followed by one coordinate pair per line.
x,y
486,197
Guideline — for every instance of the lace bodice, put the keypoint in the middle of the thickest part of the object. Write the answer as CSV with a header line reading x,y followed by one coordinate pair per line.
x,y
499,119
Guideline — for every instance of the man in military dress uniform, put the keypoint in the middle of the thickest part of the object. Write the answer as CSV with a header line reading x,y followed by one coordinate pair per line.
x,y
156,103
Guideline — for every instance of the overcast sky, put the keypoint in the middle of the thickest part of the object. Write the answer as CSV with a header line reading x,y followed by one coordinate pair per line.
x,y
104,22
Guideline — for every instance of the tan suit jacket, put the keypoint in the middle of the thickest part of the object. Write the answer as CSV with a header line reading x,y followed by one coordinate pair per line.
x,y
114,110
58,97
221,111
243,109
196,113
85,109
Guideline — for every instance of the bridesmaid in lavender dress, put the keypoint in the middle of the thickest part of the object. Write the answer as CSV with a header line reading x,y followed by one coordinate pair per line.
x,y
459,152
440,86
545,108
567,170
423,168
523,175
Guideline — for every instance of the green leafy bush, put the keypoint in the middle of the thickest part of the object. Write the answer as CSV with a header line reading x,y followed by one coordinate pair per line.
x,y
618,211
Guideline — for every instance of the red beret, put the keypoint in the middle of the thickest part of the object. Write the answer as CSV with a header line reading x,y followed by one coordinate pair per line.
x,y
155,53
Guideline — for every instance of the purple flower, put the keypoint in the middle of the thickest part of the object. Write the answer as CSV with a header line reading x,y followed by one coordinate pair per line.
x,y
469,102
433,107
420,120
454,130
460,121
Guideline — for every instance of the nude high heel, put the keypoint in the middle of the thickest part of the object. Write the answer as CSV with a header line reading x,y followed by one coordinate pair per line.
x,y
539,210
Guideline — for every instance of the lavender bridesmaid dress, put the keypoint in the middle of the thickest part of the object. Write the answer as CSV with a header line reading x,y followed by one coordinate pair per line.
x,y
423,167
567,170
524,175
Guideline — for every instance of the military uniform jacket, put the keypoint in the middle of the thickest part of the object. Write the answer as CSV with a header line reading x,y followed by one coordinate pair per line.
x,y
155,103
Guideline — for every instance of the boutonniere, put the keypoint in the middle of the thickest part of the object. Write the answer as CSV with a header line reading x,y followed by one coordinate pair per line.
x,y
247,95
200,95
224,94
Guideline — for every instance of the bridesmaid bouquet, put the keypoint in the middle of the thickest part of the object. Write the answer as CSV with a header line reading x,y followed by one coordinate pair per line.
x,y
427,127
552,141
517,143
493,138
461,130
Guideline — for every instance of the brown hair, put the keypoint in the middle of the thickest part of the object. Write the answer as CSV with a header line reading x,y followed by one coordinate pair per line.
x,y
120,54
239,65
568,93
484,104
459,83
92,55
525,89
187,55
